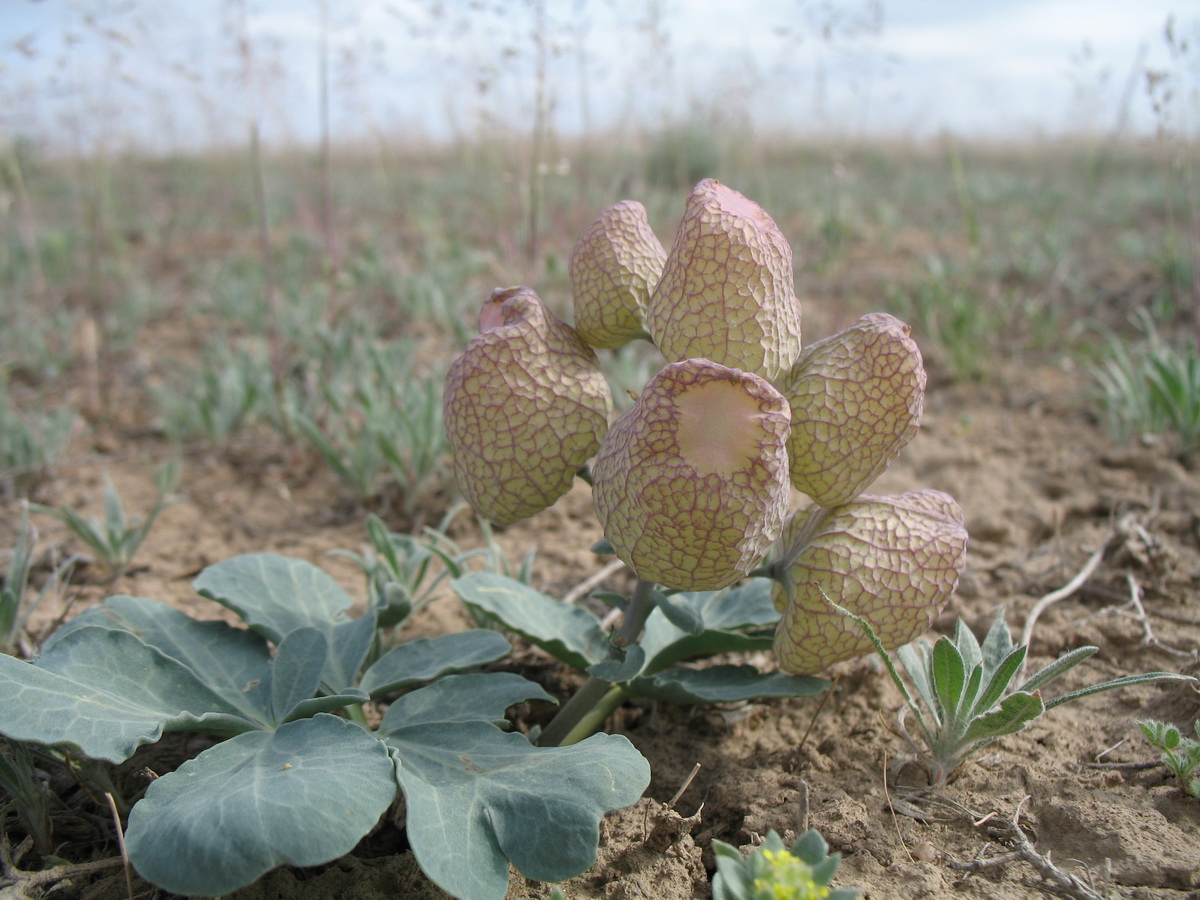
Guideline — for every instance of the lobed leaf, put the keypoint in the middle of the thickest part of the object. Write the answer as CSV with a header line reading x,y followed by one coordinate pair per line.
x,y
425,659
106,692
736,620
479,798
568,633
233,662
723,684
679,613
302,795
478,697
296,671
275,594
628,665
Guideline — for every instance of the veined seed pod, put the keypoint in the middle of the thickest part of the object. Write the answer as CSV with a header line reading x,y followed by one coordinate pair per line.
x,y
857,399
615,264
727,291
691,484
894,560
525,406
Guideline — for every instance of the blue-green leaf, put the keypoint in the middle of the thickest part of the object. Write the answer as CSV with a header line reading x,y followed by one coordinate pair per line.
x,y
297,670
428,658
234,662
349,643
724,684
736,620
567,633
479,697
679,612
107,693
275,594
302,795
479,797
628,666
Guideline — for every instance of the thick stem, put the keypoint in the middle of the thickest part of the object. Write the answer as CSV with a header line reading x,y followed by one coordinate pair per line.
x,y
597,697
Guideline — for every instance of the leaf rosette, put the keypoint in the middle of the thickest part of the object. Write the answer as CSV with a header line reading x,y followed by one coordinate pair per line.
x,y
893,560
691,484
525,406
614,266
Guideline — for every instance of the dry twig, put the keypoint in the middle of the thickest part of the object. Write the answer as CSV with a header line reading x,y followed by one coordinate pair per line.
x,y
1061,594
584,587
1009,833
21,878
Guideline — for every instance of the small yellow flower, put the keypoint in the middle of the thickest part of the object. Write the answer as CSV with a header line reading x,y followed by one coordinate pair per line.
x,y
788,878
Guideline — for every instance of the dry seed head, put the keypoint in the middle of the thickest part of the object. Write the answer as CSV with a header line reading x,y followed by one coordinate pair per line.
x,y
857,399
690,485
525,406
615,264
727,291
893,560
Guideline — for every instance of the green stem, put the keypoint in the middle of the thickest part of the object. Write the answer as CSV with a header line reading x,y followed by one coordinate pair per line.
x,y
593,719
597,697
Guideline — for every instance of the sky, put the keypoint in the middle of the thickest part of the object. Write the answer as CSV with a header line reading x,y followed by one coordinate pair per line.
x,y
166,74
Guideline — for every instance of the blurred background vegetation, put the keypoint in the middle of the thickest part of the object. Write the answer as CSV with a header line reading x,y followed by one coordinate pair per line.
x,y
231,282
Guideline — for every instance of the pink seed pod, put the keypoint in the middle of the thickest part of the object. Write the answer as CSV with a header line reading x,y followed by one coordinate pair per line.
x,y
525,406
857,399
727,291
894,560
691,484
615,264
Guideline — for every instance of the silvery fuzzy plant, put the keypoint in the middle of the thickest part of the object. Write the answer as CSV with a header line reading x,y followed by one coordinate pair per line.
x,y
693,484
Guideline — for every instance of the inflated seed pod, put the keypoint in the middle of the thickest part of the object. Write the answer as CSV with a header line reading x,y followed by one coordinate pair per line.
x,y
894,560
727,291
691,485
615,264
857,399
525,406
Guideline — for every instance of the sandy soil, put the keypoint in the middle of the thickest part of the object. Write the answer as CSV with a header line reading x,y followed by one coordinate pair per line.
x,y
1042,489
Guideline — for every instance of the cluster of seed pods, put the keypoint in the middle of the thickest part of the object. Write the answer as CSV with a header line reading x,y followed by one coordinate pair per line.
x,y
694,484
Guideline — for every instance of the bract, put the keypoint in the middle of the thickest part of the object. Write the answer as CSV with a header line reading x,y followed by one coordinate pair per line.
x,y
525,406
690,485
615,264
857,399
894,560
727,291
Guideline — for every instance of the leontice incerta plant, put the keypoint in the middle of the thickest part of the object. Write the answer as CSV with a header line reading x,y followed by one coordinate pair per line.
x,y
693,484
